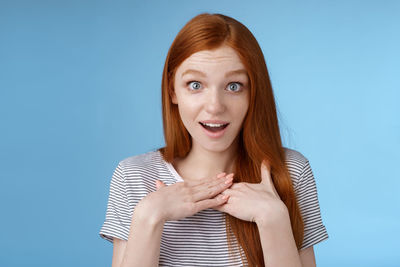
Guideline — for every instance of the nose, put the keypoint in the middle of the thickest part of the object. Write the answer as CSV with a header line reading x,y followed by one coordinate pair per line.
x,y
215,103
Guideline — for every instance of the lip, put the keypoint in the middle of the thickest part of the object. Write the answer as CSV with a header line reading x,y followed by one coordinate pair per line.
x,y
214,135
215,121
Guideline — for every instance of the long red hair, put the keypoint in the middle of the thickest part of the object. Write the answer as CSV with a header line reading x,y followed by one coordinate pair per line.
x,y
259,138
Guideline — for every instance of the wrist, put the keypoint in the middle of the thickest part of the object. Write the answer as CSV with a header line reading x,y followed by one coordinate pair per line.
x,y
146,214
268,219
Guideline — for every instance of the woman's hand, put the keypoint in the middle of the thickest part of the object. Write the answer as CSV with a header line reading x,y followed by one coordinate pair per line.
x,y
184,199
258,203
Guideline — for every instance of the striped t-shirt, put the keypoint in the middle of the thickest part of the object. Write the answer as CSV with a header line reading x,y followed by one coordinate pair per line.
x,y
198,240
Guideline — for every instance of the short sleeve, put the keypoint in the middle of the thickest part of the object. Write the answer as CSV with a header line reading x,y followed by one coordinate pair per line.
x,y
118,215
307,197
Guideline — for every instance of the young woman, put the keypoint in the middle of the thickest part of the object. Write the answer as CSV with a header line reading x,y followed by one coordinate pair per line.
x,y
223,191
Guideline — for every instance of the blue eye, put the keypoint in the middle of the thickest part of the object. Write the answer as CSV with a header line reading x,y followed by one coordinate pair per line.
x,y
194,85
234,87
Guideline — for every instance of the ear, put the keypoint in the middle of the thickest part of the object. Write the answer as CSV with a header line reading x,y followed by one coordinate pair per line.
x,y
173,97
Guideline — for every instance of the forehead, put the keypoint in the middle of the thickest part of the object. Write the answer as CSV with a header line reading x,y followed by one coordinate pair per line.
x,y
223,55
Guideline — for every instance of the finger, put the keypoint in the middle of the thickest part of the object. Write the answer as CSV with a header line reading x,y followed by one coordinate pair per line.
x,y
210,190
220,208
209,183
222,174
203,181
266,174
159,184
266,179
228,191
218,201
223,208
238,186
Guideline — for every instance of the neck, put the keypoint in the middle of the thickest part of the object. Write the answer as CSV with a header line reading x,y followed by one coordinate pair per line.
x,y
201,163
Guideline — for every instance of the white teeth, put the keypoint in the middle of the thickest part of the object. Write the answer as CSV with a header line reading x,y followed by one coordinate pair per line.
x,y
213,124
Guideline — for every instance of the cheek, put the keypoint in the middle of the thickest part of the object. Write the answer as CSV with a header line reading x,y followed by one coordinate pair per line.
x,y
241,109
187,111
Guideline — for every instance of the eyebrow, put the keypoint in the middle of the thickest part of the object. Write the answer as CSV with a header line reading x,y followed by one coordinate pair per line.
x,y
236,72
190,71
230,73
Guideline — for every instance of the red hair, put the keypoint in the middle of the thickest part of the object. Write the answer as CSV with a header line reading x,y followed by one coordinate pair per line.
x,y
259,137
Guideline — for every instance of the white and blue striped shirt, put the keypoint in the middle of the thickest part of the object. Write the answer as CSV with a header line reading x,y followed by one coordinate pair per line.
x,y
198,240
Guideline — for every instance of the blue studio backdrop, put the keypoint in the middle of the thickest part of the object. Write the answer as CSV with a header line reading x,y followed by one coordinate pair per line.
x,y
80,91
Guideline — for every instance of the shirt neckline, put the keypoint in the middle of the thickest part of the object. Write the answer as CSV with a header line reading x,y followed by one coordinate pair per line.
x,y
171,168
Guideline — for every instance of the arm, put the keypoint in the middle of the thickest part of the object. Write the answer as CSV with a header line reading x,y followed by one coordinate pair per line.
x,y
278,244
143,245
307,257
283,247
118,251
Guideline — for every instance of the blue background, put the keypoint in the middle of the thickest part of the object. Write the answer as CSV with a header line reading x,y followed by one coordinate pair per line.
x,y
80,91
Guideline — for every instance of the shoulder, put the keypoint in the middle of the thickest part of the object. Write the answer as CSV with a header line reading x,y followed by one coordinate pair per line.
x,y
294,157
138,175
147,160
296,163
144,169
141,166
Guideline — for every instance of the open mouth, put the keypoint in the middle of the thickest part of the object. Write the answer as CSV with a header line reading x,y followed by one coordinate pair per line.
x,y
214,127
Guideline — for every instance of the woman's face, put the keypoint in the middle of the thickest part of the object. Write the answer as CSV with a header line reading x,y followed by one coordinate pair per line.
x,y
212,94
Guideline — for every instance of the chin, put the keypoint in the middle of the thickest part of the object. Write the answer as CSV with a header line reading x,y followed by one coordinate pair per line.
x,y
216,147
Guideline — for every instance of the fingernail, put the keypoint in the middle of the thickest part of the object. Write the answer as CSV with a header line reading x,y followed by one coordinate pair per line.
x,y
225,197
229,176
229,180
221,175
